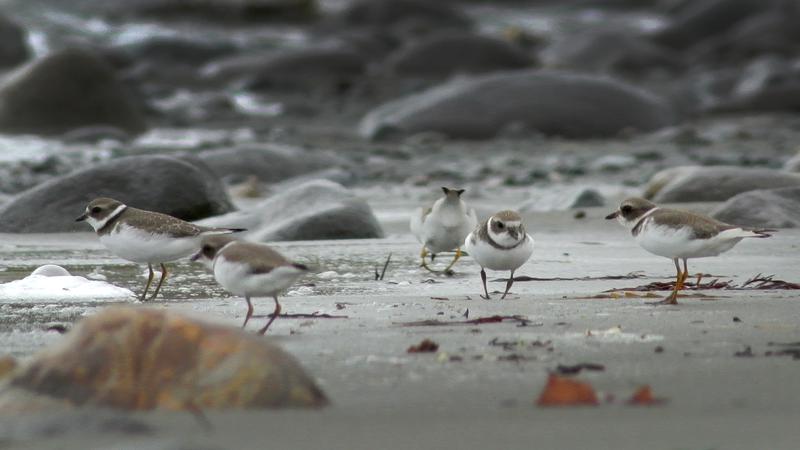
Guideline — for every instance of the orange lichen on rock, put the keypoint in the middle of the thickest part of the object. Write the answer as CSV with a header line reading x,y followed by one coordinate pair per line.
x,y
644,397
143,359
564,391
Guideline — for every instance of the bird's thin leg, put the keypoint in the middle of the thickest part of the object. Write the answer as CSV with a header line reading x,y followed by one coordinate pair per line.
x,y
422,255
685,272
483,278
160,281
275,315
672,298
679,280
149,281
458,255
249,311
508,285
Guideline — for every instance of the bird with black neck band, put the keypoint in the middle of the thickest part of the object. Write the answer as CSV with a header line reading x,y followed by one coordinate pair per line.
x,y
500,243
679,235
145,236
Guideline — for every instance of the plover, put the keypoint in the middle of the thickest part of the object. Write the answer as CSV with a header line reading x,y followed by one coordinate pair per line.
x,y
679,235
443,226
500,243
249,269
145,236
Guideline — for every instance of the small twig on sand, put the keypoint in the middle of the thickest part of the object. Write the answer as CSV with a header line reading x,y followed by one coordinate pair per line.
x,y
379,276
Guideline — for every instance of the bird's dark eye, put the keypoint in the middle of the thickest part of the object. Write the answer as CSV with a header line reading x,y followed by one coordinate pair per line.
x,y
96,210
626,208
208,250
500,225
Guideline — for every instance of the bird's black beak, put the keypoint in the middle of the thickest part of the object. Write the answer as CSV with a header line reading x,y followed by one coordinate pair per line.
x,y
459,192
613,215
196,256
82,217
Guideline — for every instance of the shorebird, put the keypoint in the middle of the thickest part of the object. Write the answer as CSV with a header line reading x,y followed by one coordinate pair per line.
x,y
249,269
500,243
145,236
679,235
443,226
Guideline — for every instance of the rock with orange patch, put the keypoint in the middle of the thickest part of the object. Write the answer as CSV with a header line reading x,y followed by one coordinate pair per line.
x,y
563,391
644,397
145,359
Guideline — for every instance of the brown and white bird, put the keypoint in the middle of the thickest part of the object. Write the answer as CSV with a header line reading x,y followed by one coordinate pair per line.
x,y
500,243
443,226
679,235
145,236
249,269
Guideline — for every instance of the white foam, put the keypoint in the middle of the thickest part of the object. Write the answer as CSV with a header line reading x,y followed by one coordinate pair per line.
x,y
37,288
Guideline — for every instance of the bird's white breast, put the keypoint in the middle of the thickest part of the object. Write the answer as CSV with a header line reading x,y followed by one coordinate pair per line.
x,y
140,246
680,243
236,278
493,258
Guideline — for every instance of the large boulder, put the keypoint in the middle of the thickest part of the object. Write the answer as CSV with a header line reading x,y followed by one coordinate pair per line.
x,y
179,187
210,10
141,359
269,163
770,208
318,209
612,51
704,19
65,90
716,183
13,43
404,17
293,68
443,54
553,103
772,32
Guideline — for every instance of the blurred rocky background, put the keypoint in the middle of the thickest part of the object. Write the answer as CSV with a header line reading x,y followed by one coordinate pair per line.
x,y
348,106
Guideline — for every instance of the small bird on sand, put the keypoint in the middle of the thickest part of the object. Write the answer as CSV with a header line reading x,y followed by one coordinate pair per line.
x,y
443,226
679,235
249,269
145,236
500,243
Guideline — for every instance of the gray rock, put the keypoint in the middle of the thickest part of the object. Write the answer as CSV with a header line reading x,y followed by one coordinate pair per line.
x,y
270,163
299,68
176,50
769,208
13,43
704,19
443,54
404,17
318,209
212,10
612,51
553,103
719,183
158,183
66,90
772,32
